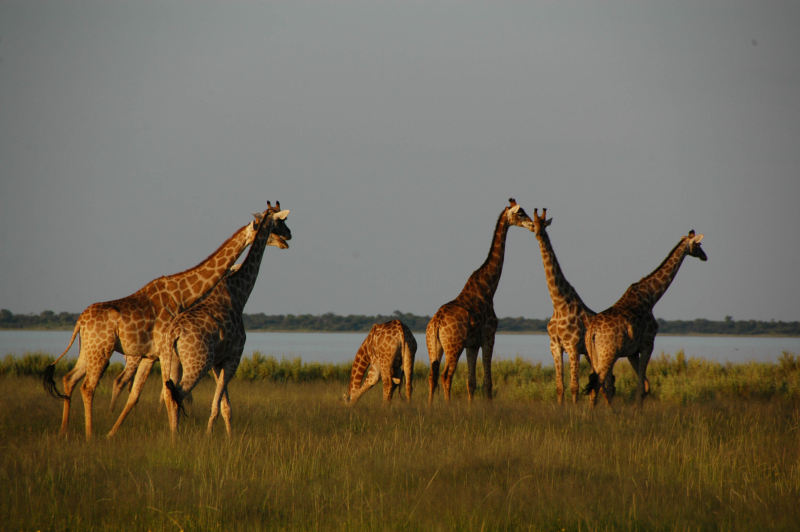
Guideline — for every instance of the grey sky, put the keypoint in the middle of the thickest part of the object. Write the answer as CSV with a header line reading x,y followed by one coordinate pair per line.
x,y
136,136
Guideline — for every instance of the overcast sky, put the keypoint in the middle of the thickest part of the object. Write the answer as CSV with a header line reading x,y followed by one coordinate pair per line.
x,y
135,137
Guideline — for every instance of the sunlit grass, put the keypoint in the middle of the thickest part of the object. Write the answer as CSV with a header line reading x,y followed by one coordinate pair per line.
x,y
714,447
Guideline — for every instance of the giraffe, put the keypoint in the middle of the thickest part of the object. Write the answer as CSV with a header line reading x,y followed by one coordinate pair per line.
x,y
131,325
126,376
469,322
566,326
388,351
211,335
628,328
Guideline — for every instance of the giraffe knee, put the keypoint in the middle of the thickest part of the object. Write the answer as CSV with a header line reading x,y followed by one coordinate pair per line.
x,y
87,390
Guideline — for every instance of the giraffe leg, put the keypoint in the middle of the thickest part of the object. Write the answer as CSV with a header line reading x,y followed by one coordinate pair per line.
x,y
451,363
635,361
605,381
408,369
142,371
87,393
601,380
225,408
644,384
592,387
72,378
433,379
435,351
610,388
125,378
225,376
574,369
396,372
387,376
487,349
171,405
191,374
486,356
472,360
558,364
219,393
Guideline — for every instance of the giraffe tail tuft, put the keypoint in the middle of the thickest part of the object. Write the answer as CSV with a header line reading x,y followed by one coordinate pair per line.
x,y
49,382
47,375
593,384
176,394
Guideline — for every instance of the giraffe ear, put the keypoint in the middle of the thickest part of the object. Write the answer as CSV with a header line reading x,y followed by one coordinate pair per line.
x,y
514,208
282,214
697,238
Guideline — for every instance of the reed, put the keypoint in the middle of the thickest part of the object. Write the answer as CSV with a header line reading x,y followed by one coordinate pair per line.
x,y
299,459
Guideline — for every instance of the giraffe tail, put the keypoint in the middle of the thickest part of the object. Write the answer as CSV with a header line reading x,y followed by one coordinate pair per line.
x,y
594,378
174,392
409,352
48,374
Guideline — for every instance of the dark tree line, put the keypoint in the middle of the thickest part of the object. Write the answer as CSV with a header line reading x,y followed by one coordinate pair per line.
x,y
357,322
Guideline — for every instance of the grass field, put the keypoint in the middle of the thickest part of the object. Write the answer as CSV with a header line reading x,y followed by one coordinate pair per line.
x,y
714,447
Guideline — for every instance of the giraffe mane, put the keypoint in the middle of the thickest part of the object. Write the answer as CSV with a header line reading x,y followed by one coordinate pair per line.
x,y
669,255
199,264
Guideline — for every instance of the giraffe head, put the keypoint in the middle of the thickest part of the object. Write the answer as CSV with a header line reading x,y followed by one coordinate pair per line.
x,y
693,245
280,232
255,223
516,215
540,222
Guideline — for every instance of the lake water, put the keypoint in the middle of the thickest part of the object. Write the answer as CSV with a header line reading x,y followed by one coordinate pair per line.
x,y
341,347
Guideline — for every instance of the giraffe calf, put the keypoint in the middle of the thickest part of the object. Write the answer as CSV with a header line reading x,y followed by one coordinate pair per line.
x,y
388,352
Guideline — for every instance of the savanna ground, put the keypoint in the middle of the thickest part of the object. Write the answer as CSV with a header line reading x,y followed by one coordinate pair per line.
x,y
714,447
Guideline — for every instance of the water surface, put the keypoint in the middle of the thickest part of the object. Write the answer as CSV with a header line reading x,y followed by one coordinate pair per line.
x,y
341,347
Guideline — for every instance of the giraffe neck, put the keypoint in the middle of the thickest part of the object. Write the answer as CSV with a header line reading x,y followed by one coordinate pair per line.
x,y
359,368
241,283
646,293
179,291
561,292
482,284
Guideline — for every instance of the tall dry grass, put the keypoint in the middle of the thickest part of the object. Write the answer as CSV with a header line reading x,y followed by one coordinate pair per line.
x,y
300,460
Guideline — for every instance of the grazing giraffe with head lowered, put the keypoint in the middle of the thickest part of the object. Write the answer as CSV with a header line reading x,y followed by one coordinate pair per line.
x,y
469,321
132,325
211,334
388,351
566,326
628,328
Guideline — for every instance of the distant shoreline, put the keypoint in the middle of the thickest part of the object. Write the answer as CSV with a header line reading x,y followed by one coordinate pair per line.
x,y
536,333
330,322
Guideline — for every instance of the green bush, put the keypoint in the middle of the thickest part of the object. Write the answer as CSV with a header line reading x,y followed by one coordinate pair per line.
x,y
676,379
